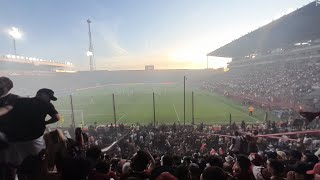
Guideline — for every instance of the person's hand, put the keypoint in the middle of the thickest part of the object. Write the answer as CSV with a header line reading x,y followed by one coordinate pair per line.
x,y
153,162
5,109
148,153
309,115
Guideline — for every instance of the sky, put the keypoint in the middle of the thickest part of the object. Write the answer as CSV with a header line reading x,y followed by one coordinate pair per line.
x,y
129,34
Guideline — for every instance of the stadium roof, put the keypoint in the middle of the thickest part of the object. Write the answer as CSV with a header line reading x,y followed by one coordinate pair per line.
x,y
299,26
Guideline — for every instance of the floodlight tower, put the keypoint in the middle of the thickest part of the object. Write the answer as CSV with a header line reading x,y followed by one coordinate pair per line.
x,y
90,51
15,34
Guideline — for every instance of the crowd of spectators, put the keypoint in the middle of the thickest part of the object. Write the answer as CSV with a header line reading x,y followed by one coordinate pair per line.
x,y
173,152
277,81
194,152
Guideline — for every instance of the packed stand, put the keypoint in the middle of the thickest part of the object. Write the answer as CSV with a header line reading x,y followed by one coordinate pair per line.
x,y
157,152
278,81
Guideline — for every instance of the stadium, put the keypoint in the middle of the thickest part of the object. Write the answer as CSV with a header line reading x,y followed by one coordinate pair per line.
x,y
258,118
275,68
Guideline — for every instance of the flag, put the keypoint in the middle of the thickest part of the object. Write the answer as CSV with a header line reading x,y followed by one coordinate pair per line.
x,y
61,119
107,149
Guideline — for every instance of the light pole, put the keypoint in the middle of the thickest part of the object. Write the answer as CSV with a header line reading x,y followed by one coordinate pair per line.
x,y
90,51
15,34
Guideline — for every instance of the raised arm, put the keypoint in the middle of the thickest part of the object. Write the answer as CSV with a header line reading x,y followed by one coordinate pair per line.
x,y
54,118
153,162
5,109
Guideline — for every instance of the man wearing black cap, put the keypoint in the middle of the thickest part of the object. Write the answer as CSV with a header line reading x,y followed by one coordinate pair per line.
x,y
47,95
27,125
28,115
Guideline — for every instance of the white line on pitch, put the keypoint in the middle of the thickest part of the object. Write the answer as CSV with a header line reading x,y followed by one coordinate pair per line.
x,y
122,116
221,101
174,107
98,114
118,121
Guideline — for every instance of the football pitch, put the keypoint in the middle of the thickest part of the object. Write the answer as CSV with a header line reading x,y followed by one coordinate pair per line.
x,y
134,103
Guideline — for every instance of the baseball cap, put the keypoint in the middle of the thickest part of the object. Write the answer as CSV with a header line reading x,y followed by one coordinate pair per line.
x,y
315,170
49,92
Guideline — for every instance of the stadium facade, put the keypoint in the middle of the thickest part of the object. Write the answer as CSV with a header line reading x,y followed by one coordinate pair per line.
x,y
292,41
12,63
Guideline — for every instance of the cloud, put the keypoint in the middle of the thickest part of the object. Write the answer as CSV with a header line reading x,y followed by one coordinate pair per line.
x,y
107,41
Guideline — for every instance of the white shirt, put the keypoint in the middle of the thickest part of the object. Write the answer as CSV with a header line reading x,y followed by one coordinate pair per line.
x,y
256,171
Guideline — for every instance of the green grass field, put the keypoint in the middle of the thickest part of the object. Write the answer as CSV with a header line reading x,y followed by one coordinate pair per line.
x,y
134,104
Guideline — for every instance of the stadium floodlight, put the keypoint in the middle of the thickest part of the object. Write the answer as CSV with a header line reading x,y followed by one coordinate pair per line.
x,y
15,34
89,53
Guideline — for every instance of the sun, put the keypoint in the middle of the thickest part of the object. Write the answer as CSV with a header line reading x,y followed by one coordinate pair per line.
x,y
197,59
